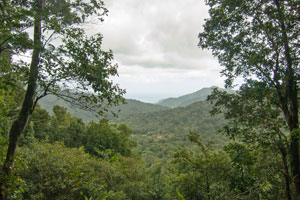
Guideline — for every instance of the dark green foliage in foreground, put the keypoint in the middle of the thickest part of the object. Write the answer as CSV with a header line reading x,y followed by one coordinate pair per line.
x,y
53,171
70,171
95,162
259,41
96,138
237,172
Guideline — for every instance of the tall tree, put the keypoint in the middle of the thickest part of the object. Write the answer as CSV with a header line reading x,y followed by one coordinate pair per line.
x,y
259,40
63,58
253,120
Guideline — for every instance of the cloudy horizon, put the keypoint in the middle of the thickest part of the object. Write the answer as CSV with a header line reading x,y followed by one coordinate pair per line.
x,y
155,45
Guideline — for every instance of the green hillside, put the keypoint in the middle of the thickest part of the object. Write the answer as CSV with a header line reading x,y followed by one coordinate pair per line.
x,y
49,101
159,133
131,107
135,107
188,99
181,120
158,130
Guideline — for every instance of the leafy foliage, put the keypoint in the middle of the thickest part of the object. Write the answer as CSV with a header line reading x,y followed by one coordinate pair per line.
x,y
63,57
65,157
55,171
159,134
237,172
96,138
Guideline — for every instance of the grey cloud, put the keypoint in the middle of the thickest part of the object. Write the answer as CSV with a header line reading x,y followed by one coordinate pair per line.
x,y
155,44
156,33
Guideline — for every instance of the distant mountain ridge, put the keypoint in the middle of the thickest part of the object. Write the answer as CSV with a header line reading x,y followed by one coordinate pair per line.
x,y
131,107
134,107
188,99
180,119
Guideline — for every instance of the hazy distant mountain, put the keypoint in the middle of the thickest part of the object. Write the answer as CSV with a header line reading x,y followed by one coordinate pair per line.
x,y
135,107
132,107
188,99
49,101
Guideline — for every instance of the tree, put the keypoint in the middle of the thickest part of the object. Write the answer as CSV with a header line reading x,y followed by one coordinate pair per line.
x,y
11,92
254,121
254,173
199,175
57,172
13,38
259,40
239,171
103,137
63,58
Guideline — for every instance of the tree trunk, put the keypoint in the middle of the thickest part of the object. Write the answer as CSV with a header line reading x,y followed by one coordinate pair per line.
x,y
294,152
28,104
286,173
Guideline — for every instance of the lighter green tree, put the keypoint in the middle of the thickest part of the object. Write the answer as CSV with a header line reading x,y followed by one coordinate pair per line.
x,y
77,63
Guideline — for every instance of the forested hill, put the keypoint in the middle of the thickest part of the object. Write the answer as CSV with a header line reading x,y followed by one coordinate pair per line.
x,y
158,134
188,99
159,130
154,120
131,107
134,107
177,121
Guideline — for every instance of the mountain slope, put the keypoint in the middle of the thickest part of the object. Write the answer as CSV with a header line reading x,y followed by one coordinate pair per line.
x,y
159,134
135,107
188,99
132,107
158,130
180,121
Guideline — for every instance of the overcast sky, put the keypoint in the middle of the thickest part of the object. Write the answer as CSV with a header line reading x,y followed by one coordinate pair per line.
x,y
155,45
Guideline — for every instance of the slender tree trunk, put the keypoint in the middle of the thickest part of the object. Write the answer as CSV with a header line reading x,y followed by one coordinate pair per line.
x,y
286,173
28,104
294,152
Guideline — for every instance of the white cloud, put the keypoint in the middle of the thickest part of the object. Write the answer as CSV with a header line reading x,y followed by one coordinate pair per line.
x,y
153,84
155,44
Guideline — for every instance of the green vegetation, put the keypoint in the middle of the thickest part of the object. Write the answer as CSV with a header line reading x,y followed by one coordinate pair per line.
x,y
185,100
130,107
57,172
159,131
259,41
159,134
237,172
149,152
76,58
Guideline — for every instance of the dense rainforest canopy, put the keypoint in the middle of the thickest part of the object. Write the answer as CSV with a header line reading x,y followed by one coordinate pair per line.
x,y
152,152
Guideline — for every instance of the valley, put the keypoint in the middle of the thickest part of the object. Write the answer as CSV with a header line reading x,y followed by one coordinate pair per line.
x,y
159,129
